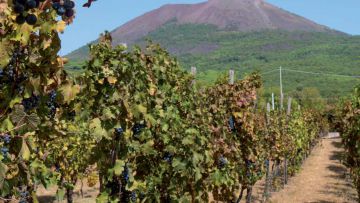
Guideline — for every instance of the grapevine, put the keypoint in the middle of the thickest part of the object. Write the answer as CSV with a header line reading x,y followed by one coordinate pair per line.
x,y
349,115
133,121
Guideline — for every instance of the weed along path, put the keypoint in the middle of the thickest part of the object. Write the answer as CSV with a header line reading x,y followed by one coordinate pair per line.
x,y
322,178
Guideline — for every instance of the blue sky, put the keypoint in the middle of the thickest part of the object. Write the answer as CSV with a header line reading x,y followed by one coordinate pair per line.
x,y
343,15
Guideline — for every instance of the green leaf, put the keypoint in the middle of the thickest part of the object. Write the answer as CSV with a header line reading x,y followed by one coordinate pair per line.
x,y
148,148
188,140
150,119
192,131
107,114
6,125
138,110
178,165
198,175
119,167
165,127
197,158
216,177
97,130
102,198
3,170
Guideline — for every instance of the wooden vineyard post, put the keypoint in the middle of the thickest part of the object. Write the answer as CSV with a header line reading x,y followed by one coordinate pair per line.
x,y
231,77
249,194
289,106
193,72
267,162
281,91
273,101
285,160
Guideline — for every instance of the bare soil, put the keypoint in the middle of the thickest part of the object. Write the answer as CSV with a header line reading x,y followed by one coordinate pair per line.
x,y
322,178
88,194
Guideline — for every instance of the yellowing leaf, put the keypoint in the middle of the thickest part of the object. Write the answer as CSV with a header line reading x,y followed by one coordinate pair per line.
x,y
23,33
46,43
60,27
112,80
35,83
69,92
14,101
24,152
152,90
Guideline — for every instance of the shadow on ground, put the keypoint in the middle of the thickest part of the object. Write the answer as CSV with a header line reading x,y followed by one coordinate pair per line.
x,y
46,199
339,171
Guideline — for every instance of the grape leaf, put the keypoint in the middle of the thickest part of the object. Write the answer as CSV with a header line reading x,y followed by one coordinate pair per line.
x,y
24,152
69,92
119,167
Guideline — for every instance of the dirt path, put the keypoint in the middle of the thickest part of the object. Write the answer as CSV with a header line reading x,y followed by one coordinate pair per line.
x,y
322,178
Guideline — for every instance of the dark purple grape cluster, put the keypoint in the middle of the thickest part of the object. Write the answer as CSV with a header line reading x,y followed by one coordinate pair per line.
x,y
4,150
6,76
64,8
24,196
168,157
128,196
137,128
30,103
7,73
249,164
119,131
114,187
52,105
57,167
125,175
222,162
133,196
6,138
22,8
232,124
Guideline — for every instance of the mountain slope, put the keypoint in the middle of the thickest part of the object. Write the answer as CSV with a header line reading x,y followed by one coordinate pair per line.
x,y
239,15
229,15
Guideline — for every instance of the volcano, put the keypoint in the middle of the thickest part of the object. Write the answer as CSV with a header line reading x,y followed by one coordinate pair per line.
x,y
234,15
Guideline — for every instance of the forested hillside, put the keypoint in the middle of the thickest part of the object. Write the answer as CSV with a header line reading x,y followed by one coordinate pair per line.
x,y
212,51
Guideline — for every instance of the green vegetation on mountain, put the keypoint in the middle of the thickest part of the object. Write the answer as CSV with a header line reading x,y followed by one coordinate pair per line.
x,y
214,51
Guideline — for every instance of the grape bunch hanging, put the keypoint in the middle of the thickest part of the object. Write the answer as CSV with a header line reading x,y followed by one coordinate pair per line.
x,y
64,8
25,9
